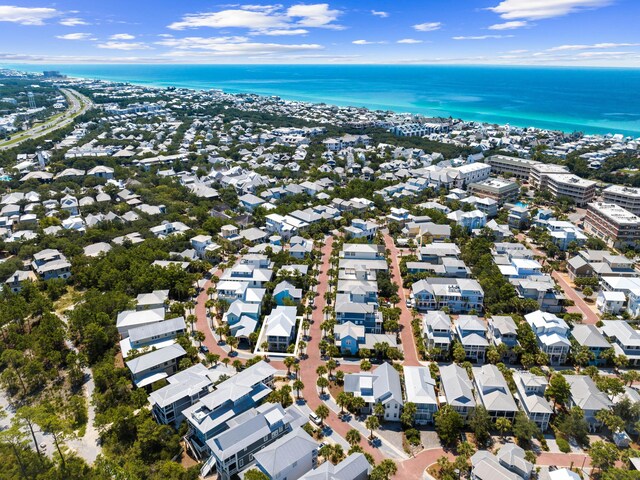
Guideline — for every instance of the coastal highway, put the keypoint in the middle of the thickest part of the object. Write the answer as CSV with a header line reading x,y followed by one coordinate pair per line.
x,y
78,104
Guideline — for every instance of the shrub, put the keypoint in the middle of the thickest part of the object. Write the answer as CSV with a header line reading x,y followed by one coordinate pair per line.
x,y
563,445
413,436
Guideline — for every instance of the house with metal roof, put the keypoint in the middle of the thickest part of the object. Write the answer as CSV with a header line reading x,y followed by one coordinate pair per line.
x,y
156,365
551,332
280,328
152,336
586,395
183,390
234,449
290,457
530,390
381,385
354,467
493,392
420,390
457,389
590,337
436,327
472,334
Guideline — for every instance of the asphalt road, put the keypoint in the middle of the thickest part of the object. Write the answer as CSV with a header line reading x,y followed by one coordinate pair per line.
x,y
78,104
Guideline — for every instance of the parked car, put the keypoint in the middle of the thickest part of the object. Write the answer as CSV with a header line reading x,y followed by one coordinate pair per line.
x,y
315,419
204,349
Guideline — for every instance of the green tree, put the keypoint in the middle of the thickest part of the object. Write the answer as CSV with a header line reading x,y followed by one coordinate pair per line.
x,y
378,410
503,425
372,423
353,437
480,423
343,400
603,455
408,414
322,383
524,429
298,386
558,389
449,423
255,474
322,412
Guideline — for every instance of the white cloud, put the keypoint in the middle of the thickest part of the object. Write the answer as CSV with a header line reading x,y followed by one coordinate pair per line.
x,y
26,16
428,27
73,22
379,14
76,36
482,37
265,20
122,36
409,41
126,46
509,25
228,46
295,31
539,9
366,42
595,46
318,15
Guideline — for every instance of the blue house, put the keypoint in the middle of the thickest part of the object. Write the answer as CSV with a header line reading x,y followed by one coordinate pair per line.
x,y
285,291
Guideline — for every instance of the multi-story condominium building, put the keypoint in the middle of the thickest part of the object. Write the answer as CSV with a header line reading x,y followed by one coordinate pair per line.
x,y
155,365
511,166
280,328
472,173
381,385
419,388
590,337
472,334
498,189
625,197
493,392
624,339
503,331
613,224
184,389
459,295
210,415
560,183
539,173
552,333
585,394
530,390
457,389
436,327
289,457
234,450
354,467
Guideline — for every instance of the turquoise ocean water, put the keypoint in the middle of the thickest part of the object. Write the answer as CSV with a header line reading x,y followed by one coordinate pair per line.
x,y
592,100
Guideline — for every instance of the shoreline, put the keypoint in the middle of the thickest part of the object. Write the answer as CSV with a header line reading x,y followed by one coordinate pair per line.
x,y
439,109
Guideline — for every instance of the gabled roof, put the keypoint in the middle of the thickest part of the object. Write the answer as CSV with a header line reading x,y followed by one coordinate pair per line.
x,y
457,386
419,385
285,451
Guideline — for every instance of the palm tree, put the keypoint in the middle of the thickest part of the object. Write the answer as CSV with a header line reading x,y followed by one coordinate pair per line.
x,y
302,345
322,383
321,370
378,410
298,386
343,400
220,331
232,342
353,437
199,337
372,423
289,362
210,292
331,365
322,412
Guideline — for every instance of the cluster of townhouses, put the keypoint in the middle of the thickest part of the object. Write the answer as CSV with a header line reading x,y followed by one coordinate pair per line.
x,y
232,428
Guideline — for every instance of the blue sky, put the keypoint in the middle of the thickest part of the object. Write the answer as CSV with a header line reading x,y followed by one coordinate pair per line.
x,y
518,32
